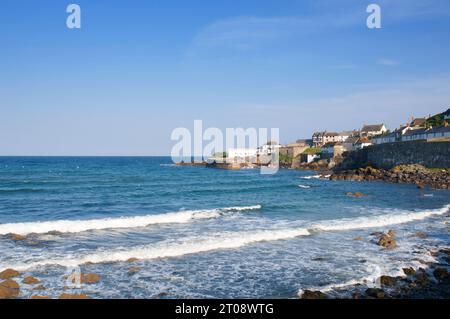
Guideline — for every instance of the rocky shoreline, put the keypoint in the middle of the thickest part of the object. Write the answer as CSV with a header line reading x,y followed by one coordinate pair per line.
x,y
430,283
411,174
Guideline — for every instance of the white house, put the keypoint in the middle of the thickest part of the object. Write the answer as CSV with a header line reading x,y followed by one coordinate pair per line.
x,y
373,130
268,149
385,138
241,153
427,134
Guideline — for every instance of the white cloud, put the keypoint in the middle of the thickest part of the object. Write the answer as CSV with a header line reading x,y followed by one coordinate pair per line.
x,y
244,33
387,62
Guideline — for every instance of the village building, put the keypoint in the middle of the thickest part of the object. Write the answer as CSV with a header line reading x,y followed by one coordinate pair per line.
x,y
321,138
241,154
331,150
268,149
362,142
317,139
293,150
427,134
385,138
417,123
373,130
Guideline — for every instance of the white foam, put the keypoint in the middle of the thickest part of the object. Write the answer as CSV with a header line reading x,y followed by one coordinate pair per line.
x,y
304,186
75,226
229,240
310,177
175,249
379,221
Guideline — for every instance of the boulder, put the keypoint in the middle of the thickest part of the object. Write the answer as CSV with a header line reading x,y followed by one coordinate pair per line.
x,y
9,273
30,280
16,237
387,241
420,234
133,270
74,296
409,271
359,238
39,287
391,233
309,294
39,297
358,195
441,274
89,278
9,289
132,260
387,280
375,293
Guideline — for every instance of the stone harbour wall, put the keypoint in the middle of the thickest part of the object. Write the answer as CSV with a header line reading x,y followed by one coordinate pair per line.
x,y
386,156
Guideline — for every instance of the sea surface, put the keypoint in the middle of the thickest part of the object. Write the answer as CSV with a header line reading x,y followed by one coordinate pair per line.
x,y
205,233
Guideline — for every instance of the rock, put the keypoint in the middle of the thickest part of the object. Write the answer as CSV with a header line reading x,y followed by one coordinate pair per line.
x,y
441,274
39,297
133,270
409,271
375,293
420,234
358,195
30,280
387,281
356,295
16,237
359,238
9,289
89,278
387,241
132,260
391,233
9,273
421,278
74,296
309,294
377,234
39,287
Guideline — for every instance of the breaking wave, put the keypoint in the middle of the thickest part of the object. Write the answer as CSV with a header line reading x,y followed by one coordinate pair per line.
x,y
75,226
229,240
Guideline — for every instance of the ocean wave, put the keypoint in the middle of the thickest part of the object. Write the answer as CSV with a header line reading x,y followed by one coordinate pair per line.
x,y
304,186
174,249
237,239
393,218
76,226
310,177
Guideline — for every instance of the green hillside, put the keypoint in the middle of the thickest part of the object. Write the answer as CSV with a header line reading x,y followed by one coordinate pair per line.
x,y
438,119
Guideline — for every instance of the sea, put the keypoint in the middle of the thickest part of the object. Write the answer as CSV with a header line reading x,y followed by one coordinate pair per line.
x,y
152,229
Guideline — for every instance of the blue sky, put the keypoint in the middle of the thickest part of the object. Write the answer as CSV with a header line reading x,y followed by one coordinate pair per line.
x,y
138,69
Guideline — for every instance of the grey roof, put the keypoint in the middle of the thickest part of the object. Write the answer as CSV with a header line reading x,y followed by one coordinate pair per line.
x,y
439,129
371,128
416,132
418,122
393,134
351,140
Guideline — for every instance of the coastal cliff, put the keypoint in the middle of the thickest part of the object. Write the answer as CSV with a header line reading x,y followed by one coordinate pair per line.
x,y
412,174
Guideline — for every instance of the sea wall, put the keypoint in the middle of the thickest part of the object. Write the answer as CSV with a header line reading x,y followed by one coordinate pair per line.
x,y
386,156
